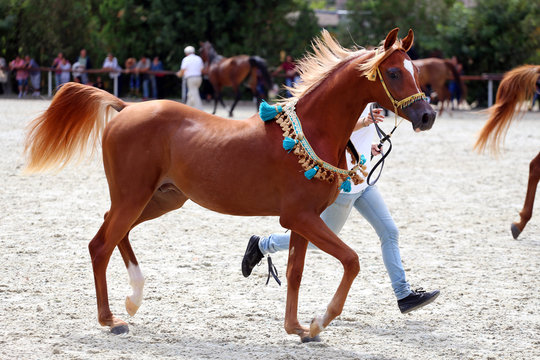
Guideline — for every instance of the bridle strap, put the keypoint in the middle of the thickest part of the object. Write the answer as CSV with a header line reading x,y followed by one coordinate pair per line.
x,y
383,137
404,102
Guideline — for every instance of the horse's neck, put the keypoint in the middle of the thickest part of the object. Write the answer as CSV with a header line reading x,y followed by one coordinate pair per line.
x,y
330,112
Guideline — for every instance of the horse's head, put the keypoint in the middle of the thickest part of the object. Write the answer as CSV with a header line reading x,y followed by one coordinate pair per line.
x,y
397,82
207,52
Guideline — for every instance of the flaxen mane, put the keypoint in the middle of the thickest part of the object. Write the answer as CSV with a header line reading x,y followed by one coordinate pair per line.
x,y
327,54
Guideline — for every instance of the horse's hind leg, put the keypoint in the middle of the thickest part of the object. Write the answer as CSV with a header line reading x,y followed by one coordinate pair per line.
x,y
236,99
165,199
118,222
526,213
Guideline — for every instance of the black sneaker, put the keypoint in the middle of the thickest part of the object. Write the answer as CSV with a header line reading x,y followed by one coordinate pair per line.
x,y
252,256
416,300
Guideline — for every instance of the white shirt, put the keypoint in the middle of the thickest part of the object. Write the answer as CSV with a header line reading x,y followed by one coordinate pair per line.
x,y
111,64
193,65
361,139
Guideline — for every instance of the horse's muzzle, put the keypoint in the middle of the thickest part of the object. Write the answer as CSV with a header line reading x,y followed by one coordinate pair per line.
x,y
422,116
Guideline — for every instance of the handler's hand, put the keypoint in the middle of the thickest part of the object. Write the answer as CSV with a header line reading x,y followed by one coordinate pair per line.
x,y
375,150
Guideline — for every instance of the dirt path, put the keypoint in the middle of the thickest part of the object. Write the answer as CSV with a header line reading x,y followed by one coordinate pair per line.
x,y
453,209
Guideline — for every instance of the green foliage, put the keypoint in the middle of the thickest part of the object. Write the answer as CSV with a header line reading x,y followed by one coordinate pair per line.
x,y
491,37
371,20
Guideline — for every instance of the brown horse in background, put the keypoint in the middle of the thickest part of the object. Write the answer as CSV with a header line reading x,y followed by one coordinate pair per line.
x,y
158,154
231,72
517,87
434,73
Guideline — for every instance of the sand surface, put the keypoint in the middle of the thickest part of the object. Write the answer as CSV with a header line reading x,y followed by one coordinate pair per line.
x,y
453,209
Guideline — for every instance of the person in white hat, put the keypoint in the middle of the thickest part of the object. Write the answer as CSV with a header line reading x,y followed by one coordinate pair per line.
x,y
191,71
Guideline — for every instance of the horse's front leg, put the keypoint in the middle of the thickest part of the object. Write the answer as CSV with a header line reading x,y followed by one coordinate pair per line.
x,y
295,268
315,230
526,213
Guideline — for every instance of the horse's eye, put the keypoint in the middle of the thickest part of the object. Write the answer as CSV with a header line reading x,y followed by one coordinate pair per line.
x,y
393,75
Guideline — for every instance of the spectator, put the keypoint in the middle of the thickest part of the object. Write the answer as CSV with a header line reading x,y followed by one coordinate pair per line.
x,y
35,75
191,70
65,74
143,66
21,75
3,74
84,64
55,65
155,79
111,64
131,69
291,75
78,72
99,83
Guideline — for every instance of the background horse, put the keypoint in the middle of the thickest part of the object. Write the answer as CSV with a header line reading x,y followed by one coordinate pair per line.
x,y
517,86
158,154
433,75
231,72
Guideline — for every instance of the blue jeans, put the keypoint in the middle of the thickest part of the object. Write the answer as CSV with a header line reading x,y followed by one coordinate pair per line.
x,y
372,207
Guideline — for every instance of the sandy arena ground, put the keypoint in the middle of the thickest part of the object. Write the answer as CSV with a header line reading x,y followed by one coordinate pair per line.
x,y
453,209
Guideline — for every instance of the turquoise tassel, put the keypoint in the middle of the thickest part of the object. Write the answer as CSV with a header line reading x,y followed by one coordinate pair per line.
x,y
268,112
346,185
362,159
311,172
289,143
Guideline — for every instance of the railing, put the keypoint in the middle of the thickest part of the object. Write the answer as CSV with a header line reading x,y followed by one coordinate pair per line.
x,y
490,78
483,77
50,72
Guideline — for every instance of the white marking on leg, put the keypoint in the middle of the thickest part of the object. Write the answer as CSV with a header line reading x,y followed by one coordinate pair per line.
x,y
136,280
408,65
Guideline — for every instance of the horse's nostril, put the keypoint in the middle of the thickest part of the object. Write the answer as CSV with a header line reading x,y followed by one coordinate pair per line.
x,y
428,118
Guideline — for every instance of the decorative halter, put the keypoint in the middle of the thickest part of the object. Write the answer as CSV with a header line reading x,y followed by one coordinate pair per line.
x,y
401,104
295,140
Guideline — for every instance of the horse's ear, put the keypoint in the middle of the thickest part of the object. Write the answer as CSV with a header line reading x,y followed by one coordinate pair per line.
x,y
408,41
390,39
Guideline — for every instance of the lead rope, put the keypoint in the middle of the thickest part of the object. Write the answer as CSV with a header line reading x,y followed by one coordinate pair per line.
x,y
383,137
272,271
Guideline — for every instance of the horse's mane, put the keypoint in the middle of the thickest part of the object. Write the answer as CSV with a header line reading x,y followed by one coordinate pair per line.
x,y
327,54
517,86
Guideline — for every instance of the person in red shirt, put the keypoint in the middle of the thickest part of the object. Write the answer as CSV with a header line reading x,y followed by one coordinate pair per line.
x,y
20,66
291,75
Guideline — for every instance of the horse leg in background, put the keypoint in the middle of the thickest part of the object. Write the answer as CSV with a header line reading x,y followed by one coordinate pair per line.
x,y
526,213
166,199
236,99
314,229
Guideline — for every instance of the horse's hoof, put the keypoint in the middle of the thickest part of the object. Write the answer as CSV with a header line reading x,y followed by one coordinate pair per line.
x,y
120,329
316,326
515,230
307,339
131,308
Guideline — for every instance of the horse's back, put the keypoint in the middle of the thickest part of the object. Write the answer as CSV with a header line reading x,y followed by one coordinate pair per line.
x,y
201,154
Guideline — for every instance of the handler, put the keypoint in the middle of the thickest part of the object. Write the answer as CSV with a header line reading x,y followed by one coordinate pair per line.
x,y
370,204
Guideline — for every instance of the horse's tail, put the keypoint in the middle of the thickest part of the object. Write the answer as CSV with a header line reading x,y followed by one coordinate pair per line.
x,y
517,86
74,121
260,63
457,77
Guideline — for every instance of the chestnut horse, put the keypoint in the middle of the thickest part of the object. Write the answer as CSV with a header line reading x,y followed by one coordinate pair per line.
x,y
231,72
158,154
517,86
434,73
